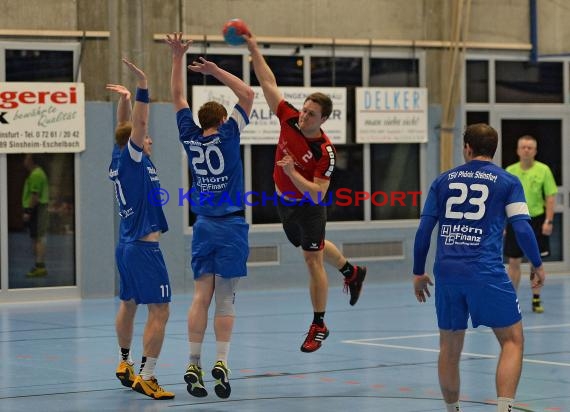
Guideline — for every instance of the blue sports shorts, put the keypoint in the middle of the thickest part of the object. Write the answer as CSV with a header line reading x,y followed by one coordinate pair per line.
x,y
220,246
489,302
143,274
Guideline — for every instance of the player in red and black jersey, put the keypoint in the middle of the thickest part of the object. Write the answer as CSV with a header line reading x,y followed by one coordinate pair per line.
x,y
304,162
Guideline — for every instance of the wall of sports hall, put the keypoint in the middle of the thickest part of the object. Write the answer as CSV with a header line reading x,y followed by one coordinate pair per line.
x,y
504,62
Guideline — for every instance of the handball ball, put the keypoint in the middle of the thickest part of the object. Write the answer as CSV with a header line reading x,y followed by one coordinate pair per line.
x,y
233,30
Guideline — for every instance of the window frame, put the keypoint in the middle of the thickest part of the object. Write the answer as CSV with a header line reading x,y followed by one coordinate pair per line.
x,y
527,111
49,292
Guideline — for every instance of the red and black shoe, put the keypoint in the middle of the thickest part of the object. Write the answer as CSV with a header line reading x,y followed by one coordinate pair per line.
x,y
353,283
317,334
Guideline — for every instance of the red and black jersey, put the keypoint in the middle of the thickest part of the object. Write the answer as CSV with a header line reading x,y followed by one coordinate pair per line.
x,y
313,157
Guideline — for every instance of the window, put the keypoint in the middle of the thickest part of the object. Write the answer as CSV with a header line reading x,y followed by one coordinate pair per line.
x,y
519,97
395,168
39,65
336,71
477,81
548,135
525,82
54,219
262,182
348,173
396,171
47,241
477,117
394,72
288,70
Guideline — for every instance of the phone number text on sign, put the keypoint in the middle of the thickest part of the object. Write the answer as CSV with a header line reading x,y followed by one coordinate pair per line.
x,y
42,117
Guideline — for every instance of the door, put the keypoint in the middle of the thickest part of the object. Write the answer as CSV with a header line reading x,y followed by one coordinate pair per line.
x,y
549,129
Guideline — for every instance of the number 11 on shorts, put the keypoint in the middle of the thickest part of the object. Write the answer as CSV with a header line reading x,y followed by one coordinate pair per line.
x,y
164,291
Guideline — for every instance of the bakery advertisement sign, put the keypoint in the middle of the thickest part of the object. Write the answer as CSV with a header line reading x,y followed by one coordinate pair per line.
x,y
42,117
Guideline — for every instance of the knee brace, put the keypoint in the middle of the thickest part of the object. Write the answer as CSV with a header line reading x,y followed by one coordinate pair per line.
x,y
225,292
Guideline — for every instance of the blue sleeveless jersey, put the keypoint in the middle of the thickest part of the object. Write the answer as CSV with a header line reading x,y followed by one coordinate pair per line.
x,y
136,188
215,164
472,203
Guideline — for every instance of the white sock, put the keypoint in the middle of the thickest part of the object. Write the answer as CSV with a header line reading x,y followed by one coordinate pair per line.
x,y
505,404
453,407
148,369
196,353
222,350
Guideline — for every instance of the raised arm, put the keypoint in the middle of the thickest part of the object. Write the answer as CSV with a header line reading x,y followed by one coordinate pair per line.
x,y
264,74
243,92
124,109
179,48
141,109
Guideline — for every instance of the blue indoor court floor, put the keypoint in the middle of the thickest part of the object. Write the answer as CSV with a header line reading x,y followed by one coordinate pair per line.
x,y
381,355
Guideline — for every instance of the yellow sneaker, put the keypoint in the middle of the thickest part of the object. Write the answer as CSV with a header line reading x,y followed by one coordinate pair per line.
x,y
221,373
151,388
125,373
537,305
194,378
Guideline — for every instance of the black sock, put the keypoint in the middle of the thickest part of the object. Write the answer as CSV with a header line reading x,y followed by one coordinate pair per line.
x,y
319,318
125,353
40,265
347,270
143,361
536,296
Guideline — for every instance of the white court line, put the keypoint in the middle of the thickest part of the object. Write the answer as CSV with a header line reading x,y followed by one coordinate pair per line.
x,y
476,355
371,342
560,325
479,355
428,335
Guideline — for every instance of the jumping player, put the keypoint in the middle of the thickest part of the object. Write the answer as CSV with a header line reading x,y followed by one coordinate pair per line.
x,y
220,234
143,275
304,163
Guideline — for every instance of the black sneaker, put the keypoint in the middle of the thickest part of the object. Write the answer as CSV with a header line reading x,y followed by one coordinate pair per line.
x,y
220,372
353,284
193,377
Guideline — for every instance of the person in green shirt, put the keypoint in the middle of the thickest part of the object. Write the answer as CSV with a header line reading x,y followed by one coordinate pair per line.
x,y
35,197
540,191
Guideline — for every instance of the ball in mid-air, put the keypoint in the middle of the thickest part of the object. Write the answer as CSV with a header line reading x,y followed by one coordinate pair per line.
x,y
233,31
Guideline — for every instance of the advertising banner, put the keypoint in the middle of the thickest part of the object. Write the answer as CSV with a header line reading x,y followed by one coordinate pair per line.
x,y
42,117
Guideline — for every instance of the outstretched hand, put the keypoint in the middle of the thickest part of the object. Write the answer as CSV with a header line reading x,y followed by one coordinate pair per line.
x,y
178,46
135,70
250,41
203,66
120,89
